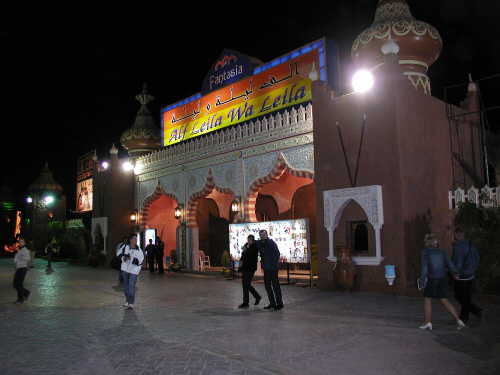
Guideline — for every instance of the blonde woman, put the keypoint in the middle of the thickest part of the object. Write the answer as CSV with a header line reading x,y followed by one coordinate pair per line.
x,y
436,265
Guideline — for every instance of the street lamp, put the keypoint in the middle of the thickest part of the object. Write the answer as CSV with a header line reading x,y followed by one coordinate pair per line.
x,y
104,165
48,200
29,200
362,81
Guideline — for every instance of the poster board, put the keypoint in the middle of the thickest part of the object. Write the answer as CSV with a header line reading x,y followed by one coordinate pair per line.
x,y
291,236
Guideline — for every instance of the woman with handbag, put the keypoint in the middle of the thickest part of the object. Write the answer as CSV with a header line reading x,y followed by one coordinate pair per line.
x,y
433,279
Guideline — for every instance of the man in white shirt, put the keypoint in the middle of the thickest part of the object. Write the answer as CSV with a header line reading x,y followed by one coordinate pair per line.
x,y
132,259
21,260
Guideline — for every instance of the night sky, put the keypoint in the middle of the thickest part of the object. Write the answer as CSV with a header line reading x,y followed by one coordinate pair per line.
x,y
70,91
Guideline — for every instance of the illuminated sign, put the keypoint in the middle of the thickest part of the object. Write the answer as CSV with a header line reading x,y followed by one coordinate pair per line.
x,y
84,195
274,86
291,236
230,67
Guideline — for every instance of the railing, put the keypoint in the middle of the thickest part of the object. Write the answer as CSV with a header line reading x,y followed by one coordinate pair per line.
x,y
485,197
284,124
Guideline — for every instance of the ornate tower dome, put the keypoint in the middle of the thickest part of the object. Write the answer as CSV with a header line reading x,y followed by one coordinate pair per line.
x,y
420,43
45,182
143,136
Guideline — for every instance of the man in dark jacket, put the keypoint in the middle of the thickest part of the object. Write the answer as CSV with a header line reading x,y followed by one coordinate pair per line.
x,y
248,266
151,254
160,246
270,257
466,259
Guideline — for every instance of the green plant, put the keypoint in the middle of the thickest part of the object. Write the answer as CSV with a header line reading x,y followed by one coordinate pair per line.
x,y
225,259
482,226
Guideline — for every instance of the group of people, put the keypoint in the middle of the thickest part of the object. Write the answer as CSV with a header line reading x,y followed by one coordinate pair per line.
x,y
433,280
154,255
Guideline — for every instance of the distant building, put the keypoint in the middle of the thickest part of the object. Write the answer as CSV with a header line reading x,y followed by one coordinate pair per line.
x,y
45,203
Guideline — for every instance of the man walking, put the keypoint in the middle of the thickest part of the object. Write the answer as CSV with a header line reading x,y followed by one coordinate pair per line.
x,y
270,256
248,266
21,260
466,259
150,255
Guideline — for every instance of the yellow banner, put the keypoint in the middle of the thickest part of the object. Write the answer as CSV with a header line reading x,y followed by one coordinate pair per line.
x,y
296,92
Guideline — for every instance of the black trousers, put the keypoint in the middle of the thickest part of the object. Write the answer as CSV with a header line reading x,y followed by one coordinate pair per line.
x,y
151,263
273,288
159,262
19,276
246,282
463,294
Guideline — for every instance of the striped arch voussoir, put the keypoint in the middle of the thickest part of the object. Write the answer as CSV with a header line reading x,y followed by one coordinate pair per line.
x,y
195,198
149,200
279,169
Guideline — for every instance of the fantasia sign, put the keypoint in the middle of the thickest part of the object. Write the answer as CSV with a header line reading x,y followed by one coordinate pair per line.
x,y
278,87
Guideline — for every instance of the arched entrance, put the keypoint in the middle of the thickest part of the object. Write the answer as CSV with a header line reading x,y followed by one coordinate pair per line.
x,y
158,213
209,214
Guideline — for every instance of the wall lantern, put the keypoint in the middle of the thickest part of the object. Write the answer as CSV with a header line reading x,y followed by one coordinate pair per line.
x,y
104,165
127,166
133,217
235,206
179,210
29,200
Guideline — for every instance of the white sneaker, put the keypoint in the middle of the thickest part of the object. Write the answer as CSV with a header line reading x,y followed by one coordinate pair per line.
x,y
125,304
460,325
130,307
426,326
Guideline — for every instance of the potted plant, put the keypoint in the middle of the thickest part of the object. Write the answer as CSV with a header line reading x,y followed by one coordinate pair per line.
x,y
225,261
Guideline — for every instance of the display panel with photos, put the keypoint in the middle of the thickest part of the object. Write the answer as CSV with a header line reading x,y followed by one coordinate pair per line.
x,y
84,195
291,236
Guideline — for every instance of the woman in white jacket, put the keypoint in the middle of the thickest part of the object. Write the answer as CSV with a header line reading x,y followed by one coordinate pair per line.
x,y
21,260
132,258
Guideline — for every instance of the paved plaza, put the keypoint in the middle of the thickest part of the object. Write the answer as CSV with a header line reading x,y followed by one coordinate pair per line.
x,y
189,324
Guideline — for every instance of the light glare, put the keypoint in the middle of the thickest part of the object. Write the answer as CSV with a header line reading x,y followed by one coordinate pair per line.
x,y
127,166
362,81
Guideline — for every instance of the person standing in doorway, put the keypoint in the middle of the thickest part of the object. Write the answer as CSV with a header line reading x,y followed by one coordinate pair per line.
x,y
160,246
466,259
150,255
433,277
131,267
270,256
248,266
21,260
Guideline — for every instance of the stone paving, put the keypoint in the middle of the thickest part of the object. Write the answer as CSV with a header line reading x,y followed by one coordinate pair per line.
x,y
189,324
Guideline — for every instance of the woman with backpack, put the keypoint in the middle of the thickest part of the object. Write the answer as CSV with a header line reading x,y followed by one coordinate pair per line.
x,y
436,264
132,258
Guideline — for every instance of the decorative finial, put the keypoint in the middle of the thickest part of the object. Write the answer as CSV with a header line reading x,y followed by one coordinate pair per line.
x,y
313,75
94,157
144,98
114,150
472,85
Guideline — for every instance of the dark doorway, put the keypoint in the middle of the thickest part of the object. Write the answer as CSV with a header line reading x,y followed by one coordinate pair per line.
x,y
266,208
218,239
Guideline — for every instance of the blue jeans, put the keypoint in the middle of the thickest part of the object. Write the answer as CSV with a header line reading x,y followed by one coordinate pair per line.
x,y
129,280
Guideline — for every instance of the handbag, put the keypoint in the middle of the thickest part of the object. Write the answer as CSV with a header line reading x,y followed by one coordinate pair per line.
x,y
421,284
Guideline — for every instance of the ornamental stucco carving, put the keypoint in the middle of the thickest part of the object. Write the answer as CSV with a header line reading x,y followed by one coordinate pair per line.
x,y
197,180
300,158
370,200
228,176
